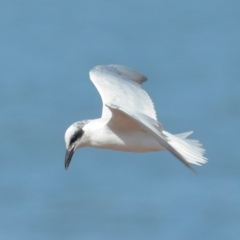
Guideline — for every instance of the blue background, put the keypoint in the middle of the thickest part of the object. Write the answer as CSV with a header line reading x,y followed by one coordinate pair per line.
x,y
190,52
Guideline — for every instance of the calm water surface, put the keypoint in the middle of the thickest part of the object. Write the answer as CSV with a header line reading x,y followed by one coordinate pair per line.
x,y
190,52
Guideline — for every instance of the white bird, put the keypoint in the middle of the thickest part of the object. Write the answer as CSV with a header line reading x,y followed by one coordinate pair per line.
x,y
128,121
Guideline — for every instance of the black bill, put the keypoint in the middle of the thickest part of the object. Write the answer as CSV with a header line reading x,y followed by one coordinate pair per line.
x,y
68,158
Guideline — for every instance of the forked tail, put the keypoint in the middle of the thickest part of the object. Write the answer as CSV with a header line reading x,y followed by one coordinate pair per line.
x,y
191,150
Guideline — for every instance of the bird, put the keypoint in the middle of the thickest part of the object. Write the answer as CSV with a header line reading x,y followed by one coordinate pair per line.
x,y
129,121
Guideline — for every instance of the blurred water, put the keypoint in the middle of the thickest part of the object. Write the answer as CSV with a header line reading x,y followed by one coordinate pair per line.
x,y
190,52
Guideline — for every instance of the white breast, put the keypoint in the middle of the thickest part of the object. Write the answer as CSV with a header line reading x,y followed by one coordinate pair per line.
x,y
98,134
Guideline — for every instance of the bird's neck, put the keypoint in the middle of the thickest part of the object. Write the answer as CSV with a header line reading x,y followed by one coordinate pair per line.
x,y
97,134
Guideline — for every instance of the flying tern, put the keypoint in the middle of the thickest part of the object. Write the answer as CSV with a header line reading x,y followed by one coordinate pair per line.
x,y
128,122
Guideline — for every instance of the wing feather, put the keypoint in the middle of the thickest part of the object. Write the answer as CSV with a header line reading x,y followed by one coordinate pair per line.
x,y
122,86
151,126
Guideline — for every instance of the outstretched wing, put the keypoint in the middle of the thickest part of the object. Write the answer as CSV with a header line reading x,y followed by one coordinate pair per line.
x,y
186,150
121,86
122,95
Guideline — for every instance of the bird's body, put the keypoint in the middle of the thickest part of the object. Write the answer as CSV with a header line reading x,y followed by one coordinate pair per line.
x,y
99,134
128,121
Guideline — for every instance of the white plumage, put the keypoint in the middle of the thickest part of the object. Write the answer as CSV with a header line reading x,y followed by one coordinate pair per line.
x,y
128,121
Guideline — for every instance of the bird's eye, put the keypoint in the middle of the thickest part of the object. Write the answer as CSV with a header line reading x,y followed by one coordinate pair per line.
x,y
77,135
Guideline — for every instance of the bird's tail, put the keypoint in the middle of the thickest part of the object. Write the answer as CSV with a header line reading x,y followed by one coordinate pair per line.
x,y
191,150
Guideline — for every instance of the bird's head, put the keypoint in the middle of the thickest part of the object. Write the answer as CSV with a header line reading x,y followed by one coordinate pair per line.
x,y
73,136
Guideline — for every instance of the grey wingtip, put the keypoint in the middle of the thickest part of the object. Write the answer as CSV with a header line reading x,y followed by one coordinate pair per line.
x,y
121,71
130,73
